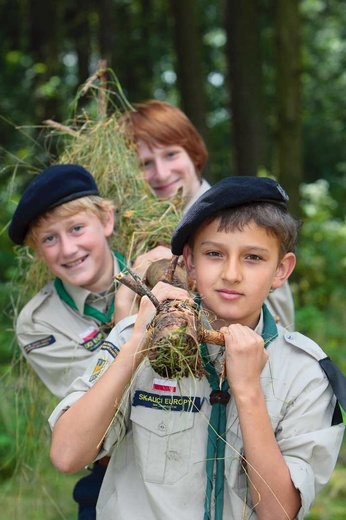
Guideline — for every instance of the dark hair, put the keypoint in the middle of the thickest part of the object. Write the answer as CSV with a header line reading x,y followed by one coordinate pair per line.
x,y
271,217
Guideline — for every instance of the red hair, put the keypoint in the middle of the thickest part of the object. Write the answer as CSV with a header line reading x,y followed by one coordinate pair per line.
x,y
159,123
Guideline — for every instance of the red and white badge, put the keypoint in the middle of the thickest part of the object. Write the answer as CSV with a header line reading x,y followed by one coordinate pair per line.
x,y
88,334
165,385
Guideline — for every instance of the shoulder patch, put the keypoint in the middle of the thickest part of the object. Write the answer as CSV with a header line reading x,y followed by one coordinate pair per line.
x,y
44,342
107,346
100,367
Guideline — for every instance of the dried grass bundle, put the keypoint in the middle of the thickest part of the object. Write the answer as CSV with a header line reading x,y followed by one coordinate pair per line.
x,y
99,143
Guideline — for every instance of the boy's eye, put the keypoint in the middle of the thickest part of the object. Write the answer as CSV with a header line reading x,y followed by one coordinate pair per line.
x,y
171,154
254,258
213,253
147,163
48,240
77,228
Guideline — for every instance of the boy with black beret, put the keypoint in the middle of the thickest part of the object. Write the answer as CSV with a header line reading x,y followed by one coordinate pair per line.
x,y
172,155
62,217
260,433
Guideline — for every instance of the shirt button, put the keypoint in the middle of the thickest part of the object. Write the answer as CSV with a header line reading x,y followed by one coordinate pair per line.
x,y
162,427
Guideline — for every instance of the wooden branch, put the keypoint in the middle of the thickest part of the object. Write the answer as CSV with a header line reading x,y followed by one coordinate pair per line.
x,y
136,285
214,337
171,269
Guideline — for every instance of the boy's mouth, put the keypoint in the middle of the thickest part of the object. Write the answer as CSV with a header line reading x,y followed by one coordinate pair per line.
x,y
75,263
229,295
165,187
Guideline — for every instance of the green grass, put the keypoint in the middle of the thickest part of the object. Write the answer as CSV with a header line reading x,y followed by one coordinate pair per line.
x,y
38,494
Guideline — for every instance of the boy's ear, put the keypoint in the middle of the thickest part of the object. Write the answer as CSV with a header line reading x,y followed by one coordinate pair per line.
x,y
108,223
189,263
284,270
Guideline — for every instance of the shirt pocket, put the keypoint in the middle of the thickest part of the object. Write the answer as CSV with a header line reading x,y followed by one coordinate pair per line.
x,y
162,443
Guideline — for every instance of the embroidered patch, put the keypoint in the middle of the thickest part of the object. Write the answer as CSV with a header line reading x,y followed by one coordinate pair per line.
x,y
99,368
166,402
88,334
44,342
91,339
165,385
107,346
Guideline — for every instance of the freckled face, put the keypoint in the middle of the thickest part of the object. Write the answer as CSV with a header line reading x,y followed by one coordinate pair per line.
x,y
168,168
76,250
234,271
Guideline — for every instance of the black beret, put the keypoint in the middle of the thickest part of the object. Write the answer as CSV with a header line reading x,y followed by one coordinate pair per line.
x,y
227,193
52,187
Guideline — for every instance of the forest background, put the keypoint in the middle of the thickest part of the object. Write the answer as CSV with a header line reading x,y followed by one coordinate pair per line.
x,y
264,81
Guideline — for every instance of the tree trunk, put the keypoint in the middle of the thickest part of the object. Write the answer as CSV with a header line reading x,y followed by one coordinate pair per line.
x,y
245,77
106,31
44,22
187,41
80,34
289,119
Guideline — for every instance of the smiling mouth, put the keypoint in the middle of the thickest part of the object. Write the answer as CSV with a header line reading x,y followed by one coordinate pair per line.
x,y
75,263
166,186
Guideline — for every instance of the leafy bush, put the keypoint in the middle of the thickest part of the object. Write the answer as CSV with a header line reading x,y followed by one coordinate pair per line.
x,y
318,282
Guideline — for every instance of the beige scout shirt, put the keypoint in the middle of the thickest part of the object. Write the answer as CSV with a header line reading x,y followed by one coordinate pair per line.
x,y
158,445
280,302
58,341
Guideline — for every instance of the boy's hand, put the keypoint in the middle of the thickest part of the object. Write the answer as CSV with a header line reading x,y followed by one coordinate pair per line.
x,y
245,357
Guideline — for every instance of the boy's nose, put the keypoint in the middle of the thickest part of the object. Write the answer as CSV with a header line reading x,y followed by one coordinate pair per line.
x,y
68,245
231,271
161,170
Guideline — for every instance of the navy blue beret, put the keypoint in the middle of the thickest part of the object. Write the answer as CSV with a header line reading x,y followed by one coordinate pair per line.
x,y
52,187
227,193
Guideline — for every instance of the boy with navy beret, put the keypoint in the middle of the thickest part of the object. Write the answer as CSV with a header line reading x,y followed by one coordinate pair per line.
x,y
172,155
259,434
62,217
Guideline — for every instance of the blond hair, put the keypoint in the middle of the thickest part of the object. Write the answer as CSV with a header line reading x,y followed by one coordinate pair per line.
x,y
92,204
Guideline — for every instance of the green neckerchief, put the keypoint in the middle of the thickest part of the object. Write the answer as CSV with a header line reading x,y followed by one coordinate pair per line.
x,y
219,398
88,309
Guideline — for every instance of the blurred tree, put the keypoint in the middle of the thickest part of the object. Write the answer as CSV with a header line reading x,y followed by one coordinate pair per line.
x,y
78,33
189,66
245,80
289,168
45,34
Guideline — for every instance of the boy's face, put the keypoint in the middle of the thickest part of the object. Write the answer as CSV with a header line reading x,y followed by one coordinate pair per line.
x,y
168,168
76,249
234,271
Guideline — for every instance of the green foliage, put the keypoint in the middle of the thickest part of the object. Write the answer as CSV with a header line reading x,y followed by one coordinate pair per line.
x,y
318,285
324,84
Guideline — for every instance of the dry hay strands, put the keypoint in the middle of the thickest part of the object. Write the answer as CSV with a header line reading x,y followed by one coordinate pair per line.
x,y
174,348
174,336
